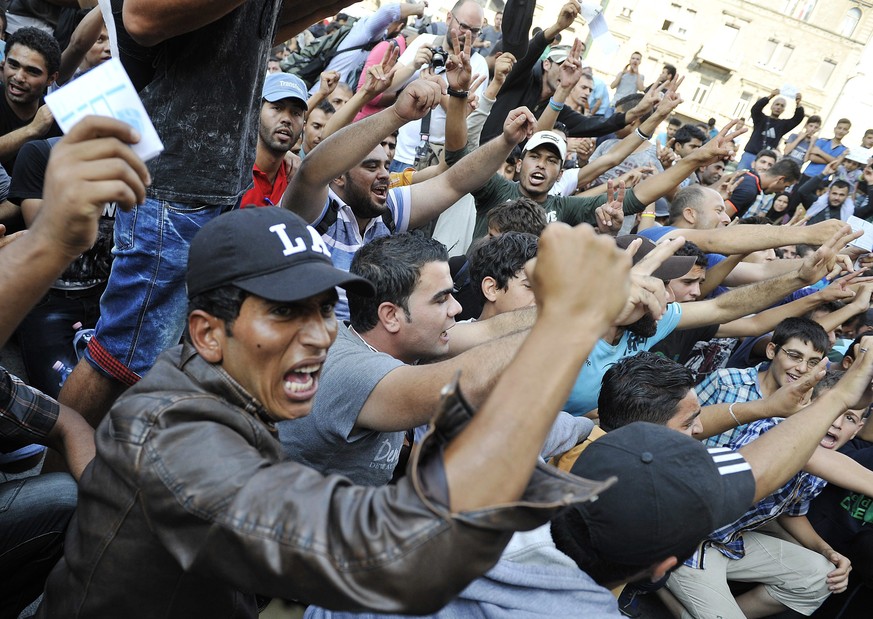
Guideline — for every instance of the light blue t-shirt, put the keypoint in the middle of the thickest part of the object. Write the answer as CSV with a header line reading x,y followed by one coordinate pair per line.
x,y
814,169
583,398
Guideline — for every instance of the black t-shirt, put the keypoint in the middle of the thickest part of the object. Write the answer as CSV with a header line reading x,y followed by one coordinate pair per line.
x,y
678,345
92,267
9,121
838,514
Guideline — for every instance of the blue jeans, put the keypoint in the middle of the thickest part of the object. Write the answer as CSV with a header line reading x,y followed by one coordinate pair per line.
x,y
46,334
34,513
142,311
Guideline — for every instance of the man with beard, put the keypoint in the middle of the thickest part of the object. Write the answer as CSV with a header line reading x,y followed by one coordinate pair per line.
x,y
31,65
638,329
835,204
767,131
283,110
342,186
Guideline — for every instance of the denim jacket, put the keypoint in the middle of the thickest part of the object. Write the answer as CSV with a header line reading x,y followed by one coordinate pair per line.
x,y
189,510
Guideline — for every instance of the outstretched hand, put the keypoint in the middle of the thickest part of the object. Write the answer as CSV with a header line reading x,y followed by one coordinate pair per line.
x,y
720,147
519,125
610,216
579,275
826,260
379,76
458,71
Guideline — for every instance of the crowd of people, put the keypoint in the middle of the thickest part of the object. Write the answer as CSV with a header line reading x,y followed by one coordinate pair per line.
x,y
416,315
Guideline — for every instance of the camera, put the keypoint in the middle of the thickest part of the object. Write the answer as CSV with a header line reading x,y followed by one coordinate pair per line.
x,y
438,60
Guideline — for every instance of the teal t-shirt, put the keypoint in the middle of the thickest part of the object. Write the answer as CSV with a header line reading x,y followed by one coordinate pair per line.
x,y
586,391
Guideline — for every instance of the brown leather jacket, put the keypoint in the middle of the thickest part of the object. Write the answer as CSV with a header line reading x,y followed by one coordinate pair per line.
x,y
189,510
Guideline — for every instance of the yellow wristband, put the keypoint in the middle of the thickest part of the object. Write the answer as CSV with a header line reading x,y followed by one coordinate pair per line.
x,y
652,215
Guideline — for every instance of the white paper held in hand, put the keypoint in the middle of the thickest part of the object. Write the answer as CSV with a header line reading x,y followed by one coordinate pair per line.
x,y
866,241
106,90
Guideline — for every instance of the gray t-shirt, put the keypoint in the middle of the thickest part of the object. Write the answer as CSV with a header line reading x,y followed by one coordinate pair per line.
x,y
326,439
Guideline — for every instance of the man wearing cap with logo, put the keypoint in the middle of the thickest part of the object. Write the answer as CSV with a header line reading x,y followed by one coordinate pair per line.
x,y
190,508
639,330
283,111
541,167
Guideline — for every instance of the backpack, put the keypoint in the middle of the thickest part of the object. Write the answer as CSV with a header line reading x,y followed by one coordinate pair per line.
x,y
313,59
332,213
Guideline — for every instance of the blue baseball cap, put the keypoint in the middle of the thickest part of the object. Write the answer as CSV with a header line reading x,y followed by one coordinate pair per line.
x,y
284,86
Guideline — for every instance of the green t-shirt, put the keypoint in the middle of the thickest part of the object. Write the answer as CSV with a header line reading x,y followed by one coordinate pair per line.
x,y
572,210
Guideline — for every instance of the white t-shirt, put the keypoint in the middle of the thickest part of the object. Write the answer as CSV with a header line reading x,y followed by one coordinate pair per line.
x,y
410,133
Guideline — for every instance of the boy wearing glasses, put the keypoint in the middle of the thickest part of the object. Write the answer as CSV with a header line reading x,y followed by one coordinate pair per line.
x,y
797,345
789,575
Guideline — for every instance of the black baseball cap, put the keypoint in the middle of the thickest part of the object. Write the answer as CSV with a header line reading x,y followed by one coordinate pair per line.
x,y
672,492
269,252
671,268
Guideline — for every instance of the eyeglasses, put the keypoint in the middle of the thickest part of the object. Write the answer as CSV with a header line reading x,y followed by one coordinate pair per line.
x,y
465,27
796,358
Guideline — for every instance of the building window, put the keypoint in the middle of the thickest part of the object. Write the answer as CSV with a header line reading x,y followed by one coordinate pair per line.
x,y
775,55
702,91
679,20
742,108
825,70
725,38
781,57
767,51
850,22
799,9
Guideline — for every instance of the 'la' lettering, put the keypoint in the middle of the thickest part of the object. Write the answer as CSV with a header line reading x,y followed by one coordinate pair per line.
x,y
290,248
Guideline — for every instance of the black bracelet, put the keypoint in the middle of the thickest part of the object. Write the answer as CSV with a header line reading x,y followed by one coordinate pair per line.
x,y
460,94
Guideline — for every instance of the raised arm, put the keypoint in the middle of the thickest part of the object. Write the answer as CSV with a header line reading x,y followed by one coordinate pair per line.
x,y
719,147
307,193
571,72
749,238
376,81
82,39
581,284
408,395
629,144
767,320
150,22
755,297
789,399
778,454
798,113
